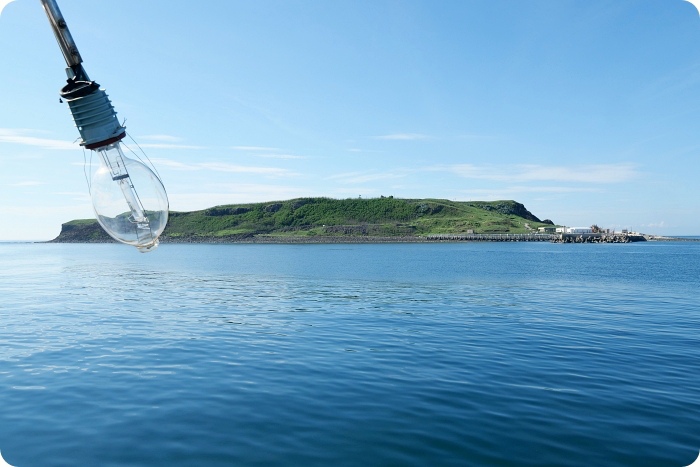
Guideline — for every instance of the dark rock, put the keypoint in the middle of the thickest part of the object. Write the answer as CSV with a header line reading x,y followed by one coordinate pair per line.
x,y
429,208
83,233
509,208
273,207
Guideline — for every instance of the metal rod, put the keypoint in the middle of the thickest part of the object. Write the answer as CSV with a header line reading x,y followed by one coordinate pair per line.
x,y
63,36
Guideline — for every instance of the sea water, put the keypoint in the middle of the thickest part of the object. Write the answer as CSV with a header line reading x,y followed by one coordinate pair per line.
x,y
522,354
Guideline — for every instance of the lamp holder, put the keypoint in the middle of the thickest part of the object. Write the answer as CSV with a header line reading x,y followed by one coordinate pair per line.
x,y
92,110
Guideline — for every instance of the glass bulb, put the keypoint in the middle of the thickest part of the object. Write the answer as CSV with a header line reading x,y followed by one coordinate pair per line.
x,y
129,199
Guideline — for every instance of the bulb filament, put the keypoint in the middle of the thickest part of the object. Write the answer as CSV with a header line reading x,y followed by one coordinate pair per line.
x,y
114,160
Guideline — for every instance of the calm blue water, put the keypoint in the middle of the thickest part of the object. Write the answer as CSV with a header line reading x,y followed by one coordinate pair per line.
x,y
412,354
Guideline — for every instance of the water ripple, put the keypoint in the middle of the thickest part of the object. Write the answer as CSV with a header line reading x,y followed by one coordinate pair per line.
x,y
371,355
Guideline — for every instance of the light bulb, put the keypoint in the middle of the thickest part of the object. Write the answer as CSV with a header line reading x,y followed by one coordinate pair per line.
x,y
129,199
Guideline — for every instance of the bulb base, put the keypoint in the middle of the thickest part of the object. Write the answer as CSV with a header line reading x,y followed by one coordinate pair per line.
x,y
93,113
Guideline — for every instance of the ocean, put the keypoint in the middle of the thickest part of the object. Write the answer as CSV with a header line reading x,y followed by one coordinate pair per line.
x,y
474,354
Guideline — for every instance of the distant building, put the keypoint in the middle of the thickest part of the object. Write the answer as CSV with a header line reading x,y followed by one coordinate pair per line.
x,y
579,230
551,229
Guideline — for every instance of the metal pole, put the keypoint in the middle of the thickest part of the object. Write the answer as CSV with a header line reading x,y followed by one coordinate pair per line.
x,y
63,36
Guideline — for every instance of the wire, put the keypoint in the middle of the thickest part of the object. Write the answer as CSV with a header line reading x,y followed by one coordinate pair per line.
x,y
87,179
144,155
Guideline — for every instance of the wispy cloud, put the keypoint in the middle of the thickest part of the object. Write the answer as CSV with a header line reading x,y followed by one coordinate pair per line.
x,y
236,193
25,138
168,146
403,137
164,142
174,164
267,152
368,151
507,192
597,173
512,174
225,167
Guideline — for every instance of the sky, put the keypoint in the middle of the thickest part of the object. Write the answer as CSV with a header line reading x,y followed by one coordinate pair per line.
x,y
585,111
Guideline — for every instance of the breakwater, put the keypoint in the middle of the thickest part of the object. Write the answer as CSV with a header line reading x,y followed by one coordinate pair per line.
x,y
598,238
67,237
555,238
492,237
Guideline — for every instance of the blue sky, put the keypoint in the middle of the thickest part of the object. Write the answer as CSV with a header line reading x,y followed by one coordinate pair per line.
x,y
586,111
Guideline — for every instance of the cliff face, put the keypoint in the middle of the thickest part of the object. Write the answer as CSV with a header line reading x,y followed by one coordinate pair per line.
x,y
508,208
83,231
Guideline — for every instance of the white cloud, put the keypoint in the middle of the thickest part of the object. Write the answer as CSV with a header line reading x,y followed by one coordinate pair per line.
x,y
224,167
173,164
599,173
267,152
509,192
168,146
24,137
374,151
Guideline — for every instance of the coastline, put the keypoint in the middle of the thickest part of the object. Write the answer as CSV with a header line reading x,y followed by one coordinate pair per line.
x,y
442,238
269,239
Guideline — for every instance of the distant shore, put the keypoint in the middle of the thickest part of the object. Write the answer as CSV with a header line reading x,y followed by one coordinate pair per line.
x,y
368,239
294,239
363,220
661,238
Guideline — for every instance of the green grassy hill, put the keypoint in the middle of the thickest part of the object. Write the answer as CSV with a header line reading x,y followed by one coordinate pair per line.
x,y
326,217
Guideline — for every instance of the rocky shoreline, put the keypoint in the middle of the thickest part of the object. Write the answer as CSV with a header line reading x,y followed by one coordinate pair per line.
x,y
93,233
264,239
282,240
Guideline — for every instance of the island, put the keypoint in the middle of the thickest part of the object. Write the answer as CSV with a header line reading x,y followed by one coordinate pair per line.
x,y
328,220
